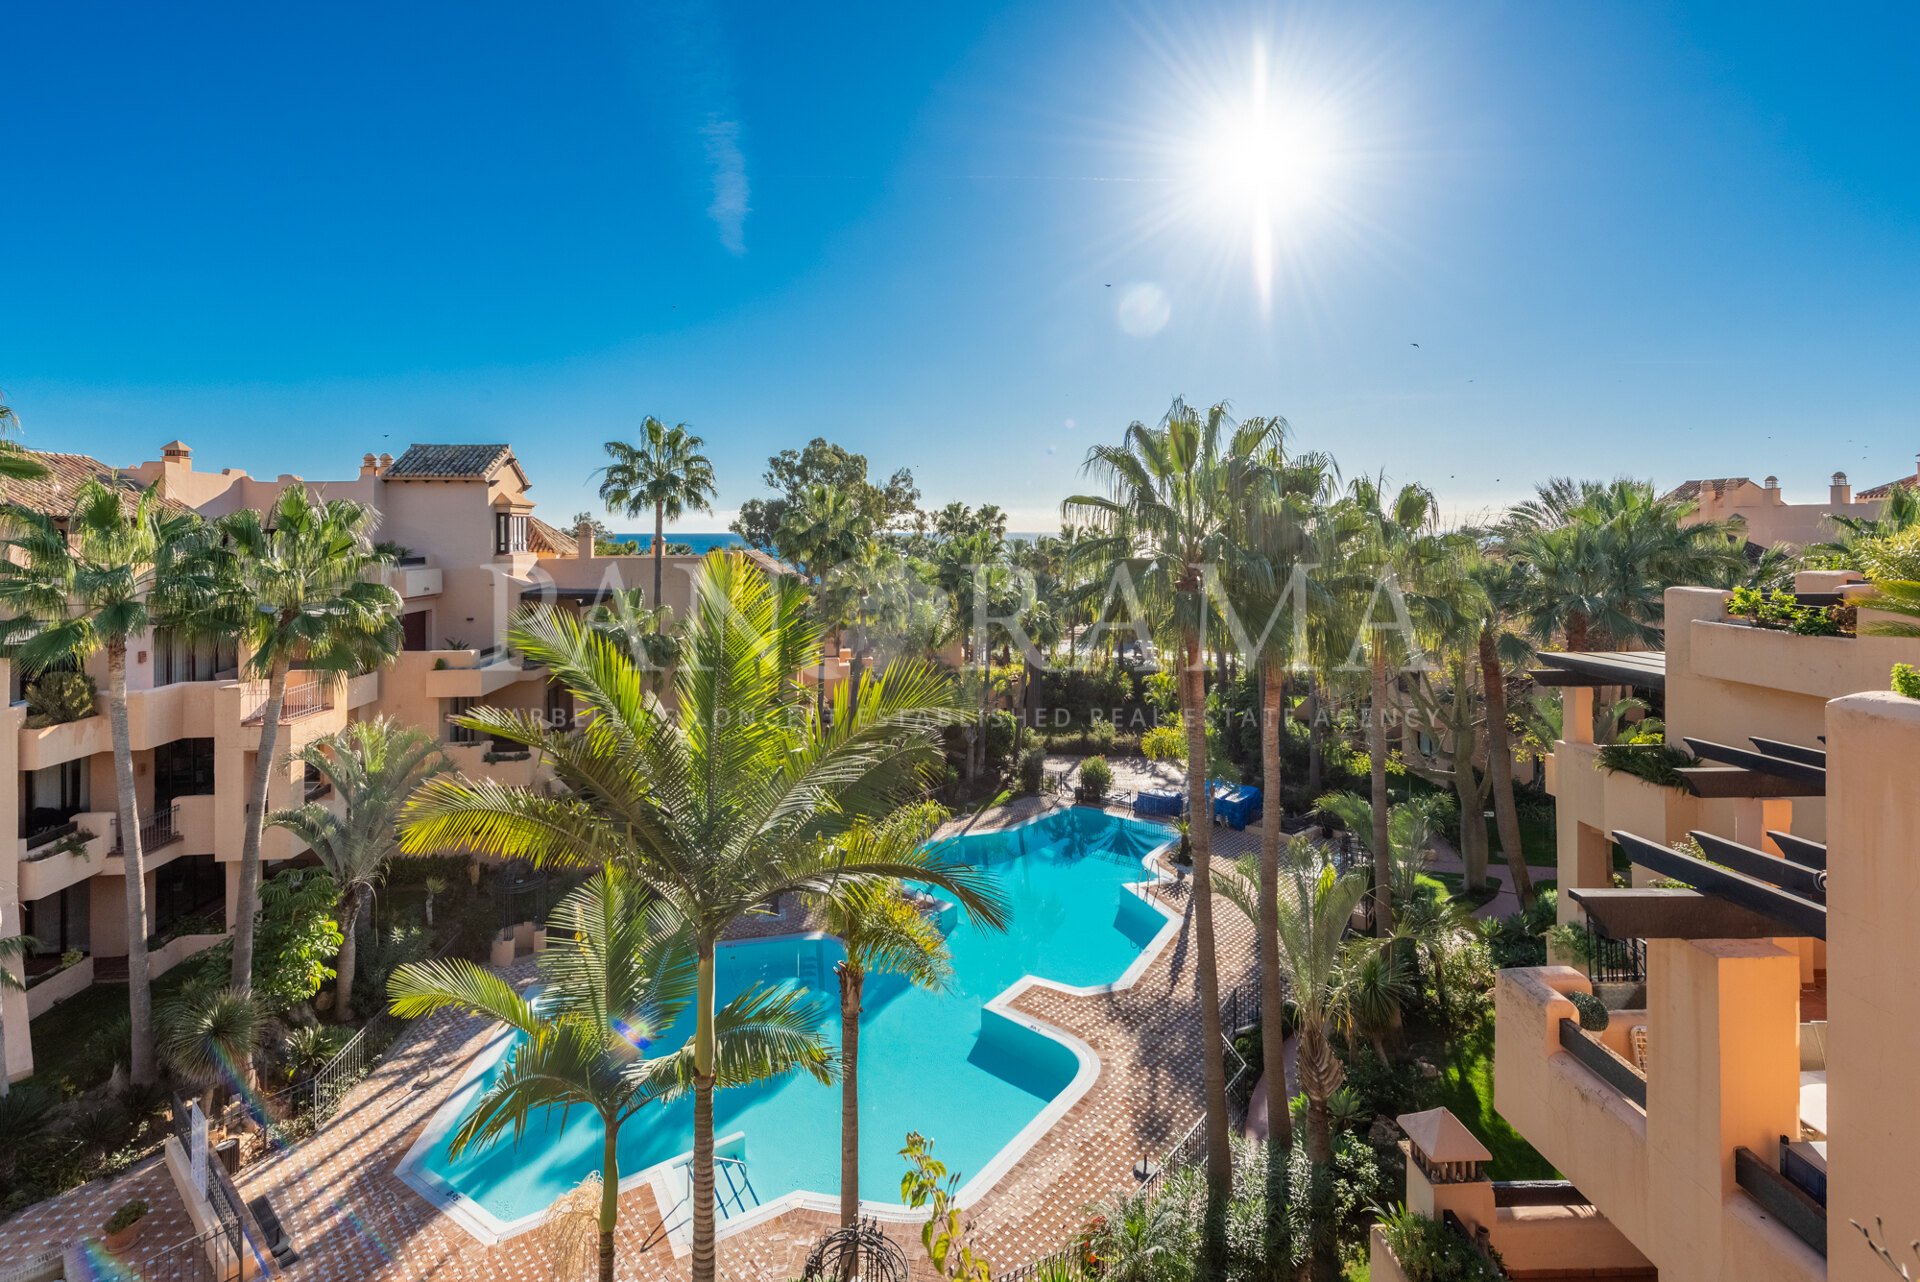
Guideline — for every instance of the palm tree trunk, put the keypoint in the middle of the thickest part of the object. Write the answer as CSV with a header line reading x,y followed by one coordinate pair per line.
x,y
140,1068
703,1070
659,550
1273,1037
851,983
344,965
609,1195
1323,1264
1506,814
1213,1251
1377,750
1315,759
247,901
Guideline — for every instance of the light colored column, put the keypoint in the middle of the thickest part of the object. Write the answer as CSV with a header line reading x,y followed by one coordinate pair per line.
x,y
1576,719
1873,984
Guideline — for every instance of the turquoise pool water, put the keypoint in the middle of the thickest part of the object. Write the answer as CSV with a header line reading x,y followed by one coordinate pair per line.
x,y
933,1062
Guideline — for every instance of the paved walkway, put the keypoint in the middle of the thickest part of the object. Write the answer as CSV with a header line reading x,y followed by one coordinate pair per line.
x,y
351,1217
59,1223
1444,858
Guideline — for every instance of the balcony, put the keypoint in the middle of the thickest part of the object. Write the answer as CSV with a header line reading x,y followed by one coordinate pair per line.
x,y
413,578
469,673
157,831
307,695
63,854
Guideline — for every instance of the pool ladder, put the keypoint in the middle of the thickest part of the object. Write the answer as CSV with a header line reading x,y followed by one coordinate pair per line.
x,y
733,1194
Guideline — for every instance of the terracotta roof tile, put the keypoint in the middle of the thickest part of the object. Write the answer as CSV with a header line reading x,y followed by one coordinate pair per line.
x,y
448,463
1689,490
547,540
66,473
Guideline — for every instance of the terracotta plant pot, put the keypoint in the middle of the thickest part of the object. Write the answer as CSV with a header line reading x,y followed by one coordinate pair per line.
x,y
119,1242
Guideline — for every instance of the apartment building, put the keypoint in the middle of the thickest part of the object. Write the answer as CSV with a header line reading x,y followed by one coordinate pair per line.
x,y
1768,518
472,552
1752,1096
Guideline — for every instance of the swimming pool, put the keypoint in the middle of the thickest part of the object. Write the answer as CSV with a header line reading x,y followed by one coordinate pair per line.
x,y
982,1081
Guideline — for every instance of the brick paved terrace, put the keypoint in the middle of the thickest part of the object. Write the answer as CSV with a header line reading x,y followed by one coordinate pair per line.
x,y
351,1217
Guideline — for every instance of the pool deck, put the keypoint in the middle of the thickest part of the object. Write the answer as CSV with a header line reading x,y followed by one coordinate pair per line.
x,y
351,1217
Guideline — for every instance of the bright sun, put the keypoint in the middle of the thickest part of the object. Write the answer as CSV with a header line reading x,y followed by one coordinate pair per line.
x,y
1266,164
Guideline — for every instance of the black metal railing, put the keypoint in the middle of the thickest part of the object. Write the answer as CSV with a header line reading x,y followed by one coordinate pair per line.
x,y
1603,1063
1068,1264
47,836
1537,1193
1615,961
162,828
1781,1198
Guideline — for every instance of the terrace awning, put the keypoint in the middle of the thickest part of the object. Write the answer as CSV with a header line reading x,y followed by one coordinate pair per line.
x,y
1644,668
1774,772
1649,913
1779,891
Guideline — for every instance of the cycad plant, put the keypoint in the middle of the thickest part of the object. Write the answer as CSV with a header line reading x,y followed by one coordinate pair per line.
x,y
296,584
98,579
209,1035
884,933
618,972
373,768
720,807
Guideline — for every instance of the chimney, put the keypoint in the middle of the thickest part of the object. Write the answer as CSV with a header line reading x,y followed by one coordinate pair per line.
x,y
386,461
177,452
1840,492
583,537
369,466
1772,490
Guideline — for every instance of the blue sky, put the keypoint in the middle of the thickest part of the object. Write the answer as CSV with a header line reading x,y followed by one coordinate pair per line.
x,y
970,239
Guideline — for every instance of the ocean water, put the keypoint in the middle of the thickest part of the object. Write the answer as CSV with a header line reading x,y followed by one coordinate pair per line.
x,y
701,543
935,1062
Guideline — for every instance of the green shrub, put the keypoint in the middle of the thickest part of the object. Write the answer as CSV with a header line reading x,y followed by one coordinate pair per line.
x,y
1102,735
1033,769
1657,763
55,698
1429,1251
129,1214
1002,729
1906,680
1096,778
1593,1012
1165,742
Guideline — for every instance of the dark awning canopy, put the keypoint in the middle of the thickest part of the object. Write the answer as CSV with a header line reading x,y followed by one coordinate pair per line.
x,y
1805,780
1644,668
1649,913
1797,913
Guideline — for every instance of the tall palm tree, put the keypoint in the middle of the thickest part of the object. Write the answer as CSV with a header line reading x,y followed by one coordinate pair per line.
x,y
11,947
92,581
618,970
297,587
1311,912
1171,511
823,530
373,767
1273,593
884,934
665,471
721,806
1400,553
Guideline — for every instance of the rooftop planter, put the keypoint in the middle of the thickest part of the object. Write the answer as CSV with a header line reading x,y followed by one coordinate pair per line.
x,y
1783,612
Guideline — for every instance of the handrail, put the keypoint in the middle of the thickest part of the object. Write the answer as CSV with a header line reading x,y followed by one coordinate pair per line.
x,y
1781,1198
1603,1063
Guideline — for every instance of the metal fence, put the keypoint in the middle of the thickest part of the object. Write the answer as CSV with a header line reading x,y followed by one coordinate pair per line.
x,y
214,1255
1615,961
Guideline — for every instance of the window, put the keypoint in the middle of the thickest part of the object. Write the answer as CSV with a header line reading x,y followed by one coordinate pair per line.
x,y
183,768
509,532
458,707
179,658
53,795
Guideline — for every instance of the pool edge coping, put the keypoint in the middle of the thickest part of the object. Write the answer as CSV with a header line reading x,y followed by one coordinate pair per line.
x,y
492,1230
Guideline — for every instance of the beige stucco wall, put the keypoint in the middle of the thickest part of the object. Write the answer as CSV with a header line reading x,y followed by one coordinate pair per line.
x,y
1873,986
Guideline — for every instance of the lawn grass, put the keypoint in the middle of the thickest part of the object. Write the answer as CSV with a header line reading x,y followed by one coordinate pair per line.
x,y
1537,838
1466,1088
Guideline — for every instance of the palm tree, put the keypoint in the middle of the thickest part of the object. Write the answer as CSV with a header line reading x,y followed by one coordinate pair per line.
x,y
1311,912
373,767
297,587
721,806
1279,536
11,946
1400,553
95,581
665,471
617,971
1171,511
884,934
16,464
1498,646
209,1036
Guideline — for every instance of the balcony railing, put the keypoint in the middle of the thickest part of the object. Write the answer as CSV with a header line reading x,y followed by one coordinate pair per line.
x,y
1781,1198
1603,1063
1615,961
159,829
305,696
39,841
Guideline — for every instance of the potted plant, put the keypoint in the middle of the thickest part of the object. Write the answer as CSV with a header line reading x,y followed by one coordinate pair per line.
x,y
123,1229
1096,780
1906,680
